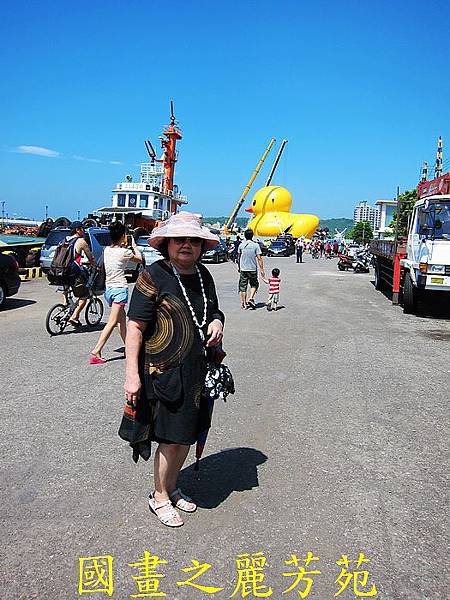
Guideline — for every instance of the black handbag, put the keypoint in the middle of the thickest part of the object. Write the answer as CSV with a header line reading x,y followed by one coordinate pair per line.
x,y
219,382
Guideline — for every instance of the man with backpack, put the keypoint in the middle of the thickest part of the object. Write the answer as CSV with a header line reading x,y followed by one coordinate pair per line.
x,y
66,264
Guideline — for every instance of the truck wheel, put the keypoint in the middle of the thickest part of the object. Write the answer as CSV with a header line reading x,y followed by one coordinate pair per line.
x,y
378,283
409,296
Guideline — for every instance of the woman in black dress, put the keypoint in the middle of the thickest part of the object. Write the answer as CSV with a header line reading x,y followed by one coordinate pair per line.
x,y
173,318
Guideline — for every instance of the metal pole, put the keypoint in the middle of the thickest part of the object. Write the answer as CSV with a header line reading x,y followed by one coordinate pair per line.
x,y
396,281
248,186
438,164
46,212
3,212
78,213
275,164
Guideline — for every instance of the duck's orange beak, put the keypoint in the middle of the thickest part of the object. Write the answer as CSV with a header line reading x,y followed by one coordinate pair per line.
x,y
249,209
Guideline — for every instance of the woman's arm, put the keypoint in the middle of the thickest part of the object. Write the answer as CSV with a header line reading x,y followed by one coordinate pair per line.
x,y
215,327
132,387
137,257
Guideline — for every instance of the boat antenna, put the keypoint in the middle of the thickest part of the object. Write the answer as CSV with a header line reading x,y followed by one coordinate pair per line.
x,y
150,150
172,116
438,164
275,164
425,171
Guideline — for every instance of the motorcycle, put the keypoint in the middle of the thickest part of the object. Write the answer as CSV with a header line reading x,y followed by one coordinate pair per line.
x,y
345,262
362,261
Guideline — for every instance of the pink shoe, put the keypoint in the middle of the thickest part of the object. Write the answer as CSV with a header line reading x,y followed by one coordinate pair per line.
x,y
96,360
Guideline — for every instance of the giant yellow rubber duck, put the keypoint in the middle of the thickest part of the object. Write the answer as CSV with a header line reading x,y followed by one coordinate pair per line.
x,y
271,206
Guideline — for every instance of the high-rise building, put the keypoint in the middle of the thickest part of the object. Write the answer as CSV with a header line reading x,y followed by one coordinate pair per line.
x,y
364,212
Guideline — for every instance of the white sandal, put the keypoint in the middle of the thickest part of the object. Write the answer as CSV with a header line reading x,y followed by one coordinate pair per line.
x,y
184,503
169,516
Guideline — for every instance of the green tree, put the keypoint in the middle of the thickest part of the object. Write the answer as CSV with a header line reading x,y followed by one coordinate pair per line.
x,y
407,200
362,232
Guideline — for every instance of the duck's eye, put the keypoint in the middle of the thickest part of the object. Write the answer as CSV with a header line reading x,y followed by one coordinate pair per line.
x,y
254,202
273,199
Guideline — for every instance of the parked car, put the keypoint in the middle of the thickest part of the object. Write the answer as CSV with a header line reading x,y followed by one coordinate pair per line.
x,y
280,247
263,247
9,277
217,254
96,237
149,254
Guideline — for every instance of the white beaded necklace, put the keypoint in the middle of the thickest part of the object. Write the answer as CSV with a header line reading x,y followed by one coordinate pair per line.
x,y
205,306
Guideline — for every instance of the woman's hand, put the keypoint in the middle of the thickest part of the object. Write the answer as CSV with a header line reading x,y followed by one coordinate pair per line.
x,y
132,388
215,333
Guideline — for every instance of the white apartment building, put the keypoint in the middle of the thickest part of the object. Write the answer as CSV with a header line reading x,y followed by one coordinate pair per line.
x,y
364,212
385,212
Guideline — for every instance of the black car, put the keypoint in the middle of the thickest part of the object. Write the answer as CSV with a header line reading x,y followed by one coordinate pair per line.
x,y
9,277
217,254
262,246
280,247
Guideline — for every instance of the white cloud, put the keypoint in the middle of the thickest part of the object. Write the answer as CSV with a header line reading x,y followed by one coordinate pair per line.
x,y
115,162
94,160
38,151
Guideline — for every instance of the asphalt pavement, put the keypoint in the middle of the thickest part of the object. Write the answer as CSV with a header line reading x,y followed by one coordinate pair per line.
x,y
335,443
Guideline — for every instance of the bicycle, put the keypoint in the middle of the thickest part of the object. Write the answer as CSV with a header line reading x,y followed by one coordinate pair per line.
x,y
59,315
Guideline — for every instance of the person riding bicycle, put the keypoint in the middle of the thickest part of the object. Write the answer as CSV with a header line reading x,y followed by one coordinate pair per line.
x,y
80,247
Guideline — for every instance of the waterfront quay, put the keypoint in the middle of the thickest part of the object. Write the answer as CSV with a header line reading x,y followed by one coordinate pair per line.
x,y
335,443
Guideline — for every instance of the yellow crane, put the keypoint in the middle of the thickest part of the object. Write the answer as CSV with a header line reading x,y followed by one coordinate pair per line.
x,y
247,188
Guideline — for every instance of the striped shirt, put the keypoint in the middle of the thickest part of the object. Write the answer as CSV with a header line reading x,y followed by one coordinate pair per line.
x,y
274,285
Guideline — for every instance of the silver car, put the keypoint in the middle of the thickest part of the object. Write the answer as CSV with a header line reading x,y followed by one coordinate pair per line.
x,y
149,254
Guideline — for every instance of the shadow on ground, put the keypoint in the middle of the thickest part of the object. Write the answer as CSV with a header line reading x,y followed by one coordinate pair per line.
x,y
12,303
221,474
79,330
436,306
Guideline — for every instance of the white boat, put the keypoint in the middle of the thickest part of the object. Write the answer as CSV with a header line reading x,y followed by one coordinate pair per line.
x,y
155,197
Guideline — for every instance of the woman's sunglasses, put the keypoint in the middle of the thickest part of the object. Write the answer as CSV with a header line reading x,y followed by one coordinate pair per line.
x,y
182,240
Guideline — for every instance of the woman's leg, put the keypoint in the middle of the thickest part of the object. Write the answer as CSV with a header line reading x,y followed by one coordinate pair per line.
x,y
169,458
122,324
114,318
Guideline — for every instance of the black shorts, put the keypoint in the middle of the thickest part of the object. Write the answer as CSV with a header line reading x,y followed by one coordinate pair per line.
x,y
246,278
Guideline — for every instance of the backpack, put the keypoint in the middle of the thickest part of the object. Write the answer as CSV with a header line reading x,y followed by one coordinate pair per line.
x,y
62,262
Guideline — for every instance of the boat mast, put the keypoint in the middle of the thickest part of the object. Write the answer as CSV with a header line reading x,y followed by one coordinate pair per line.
x,y
173,134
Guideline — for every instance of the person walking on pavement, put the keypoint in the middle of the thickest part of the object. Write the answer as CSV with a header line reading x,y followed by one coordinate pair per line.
x,y
115,259
299,249
249,258
236,244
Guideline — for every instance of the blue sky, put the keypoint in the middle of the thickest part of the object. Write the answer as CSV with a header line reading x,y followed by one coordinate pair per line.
x,y
359,88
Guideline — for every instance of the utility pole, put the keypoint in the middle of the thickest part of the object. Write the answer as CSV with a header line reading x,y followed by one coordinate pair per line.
x,y
78,213
46,212
3,212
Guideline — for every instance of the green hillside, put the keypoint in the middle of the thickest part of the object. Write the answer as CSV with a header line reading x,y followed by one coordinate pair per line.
x,y
333,224
241,221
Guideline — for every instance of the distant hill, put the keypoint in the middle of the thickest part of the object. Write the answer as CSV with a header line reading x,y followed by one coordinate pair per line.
x,y
333,224
241,221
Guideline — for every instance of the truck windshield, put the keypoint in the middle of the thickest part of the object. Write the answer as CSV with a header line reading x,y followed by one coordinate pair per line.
x,y
435,221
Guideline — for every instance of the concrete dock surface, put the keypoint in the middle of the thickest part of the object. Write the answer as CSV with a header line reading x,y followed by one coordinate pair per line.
x,y
335,443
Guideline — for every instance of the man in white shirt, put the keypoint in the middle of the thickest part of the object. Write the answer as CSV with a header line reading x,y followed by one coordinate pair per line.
x,y
249,258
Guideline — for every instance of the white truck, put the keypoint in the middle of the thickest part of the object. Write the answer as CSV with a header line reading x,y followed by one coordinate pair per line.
x,y
420,267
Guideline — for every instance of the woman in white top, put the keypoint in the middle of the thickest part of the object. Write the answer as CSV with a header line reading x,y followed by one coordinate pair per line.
x,y
115,259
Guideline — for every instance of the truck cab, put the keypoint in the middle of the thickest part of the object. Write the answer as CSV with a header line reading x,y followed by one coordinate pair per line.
x,y
427,263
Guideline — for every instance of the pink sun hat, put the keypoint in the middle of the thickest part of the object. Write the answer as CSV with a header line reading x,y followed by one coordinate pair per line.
x,y
183,224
